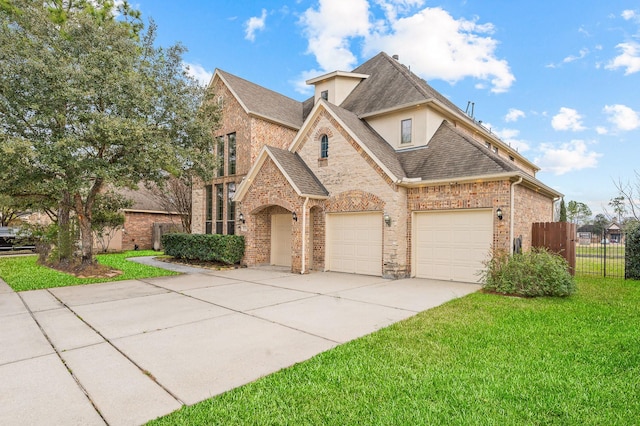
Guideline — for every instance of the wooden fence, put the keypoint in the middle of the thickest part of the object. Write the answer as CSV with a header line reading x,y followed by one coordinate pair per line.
x,y
558,237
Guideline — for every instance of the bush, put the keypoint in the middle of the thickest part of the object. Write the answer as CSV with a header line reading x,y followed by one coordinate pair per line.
x,y
632,255
531,274
207,247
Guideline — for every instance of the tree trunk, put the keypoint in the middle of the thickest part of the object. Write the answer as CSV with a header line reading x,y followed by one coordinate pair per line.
x,y
84,209
65,237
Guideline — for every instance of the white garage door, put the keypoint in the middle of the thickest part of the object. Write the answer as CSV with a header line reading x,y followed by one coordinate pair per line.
x,y
354,243
281,226
452,245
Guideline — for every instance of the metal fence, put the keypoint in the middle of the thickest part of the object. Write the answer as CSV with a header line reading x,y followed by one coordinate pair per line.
x,y
600,254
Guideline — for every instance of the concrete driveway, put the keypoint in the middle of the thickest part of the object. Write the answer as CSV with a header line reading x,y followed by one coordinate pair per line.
x,y
130,351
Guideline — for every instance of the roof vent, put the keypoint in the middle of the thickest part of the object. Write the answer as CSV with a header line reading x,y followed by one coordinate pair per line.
x,y
396,57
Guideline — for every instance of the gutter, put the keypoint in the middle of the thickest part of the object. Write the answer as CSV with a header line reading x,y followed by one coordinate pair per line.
x,y
512,214
304,239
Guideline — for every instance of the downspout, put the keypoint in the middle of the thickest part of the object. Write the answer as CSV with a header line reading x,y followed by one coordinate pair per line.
x,y
512,215
304,235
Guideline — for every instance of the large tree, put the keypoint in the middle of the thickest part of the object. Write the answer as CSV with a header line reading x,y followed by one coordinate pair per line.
x,y
87,101
578,212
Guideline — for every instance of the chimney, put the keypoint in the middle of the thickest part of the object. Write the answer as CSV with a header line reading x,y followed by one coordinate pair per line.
x,y
396,57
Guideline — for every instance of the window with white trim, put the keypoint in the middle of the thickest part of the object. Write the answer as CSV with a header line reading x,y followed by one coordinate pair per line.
x,y
405,131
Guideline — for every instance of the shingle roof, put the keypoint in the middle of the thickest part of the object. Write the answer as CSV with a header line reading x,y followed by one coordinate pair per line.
x,y
371,139
264,102
451,154
390,84
303,178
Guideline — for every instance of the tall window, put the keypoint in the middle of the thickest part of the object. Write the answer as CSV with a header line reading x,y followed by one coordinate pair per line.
x,y
324,146
220,152
209,209
219,208
324,95
405,131
231,209
231,169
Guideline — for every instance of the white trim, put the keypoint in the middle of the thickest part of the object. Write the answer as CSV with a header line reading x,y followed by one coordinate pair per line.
x,y
336,74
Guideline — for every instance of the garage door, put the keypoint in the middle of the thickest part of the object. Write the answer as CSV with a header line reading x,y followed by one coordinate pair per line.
x,y
354,243
452,245
281,226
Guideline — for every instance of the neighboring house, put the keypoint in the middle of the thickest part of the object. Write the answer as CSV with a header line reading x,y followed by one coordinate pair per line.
x,y
139,221
376,174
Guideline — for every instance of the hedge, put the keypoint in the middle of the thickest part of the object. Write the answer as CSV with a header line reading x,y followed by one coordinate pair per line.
x,y
208,247
632,255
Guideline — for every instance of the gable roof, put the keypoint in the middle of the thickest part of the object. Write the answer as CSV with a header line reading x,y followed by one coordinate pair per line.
x,y
293,168
264,103
451,154
390,85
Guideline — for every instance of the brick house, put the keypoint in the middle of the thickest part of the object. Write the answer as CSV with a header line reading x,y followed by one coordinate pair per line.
x,y
376,174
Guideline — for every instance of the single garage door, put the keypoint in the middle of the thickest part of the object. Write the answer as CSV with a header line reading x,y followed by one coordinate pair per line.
x,y
281,227
452,245
354,243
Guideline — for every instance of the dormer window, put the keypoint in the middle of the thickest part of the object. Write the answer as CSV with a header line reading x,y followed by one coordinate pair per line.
x,y
405,131
324,95
324,146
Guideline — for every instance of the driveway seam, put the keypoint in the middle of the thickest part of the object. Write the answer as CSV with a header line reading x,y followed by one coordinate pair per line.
x,y
108,341
258,317
75,378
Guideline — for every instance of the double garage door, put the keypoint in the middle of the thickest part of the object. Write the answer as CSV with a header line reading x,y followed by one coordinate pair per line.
x,y
452,245
354,243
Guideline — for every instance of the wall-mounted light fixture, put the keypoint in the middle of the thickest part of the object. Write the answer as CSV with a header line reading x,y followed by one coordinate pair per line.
x,y
241,218
294,216
499,213
387,219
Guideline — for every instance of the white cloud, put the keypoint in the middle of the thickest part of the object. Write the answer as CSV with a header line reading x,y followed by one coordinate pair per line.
x,y
513,115
583,52
254,24
568,157
430,40
436,45
567,119
601,130
510,136
623,117
300,84
628,59
330,28
198,72
628,14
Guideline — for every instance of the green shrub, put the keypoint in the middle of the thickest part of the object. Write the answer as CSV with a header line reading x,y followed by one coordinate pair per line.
x,y
632,255
208,247
531,274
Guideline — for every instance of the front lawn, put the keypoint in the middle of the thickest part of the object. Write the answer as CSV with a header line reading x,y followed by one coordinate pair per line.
x,y
482,359
23,273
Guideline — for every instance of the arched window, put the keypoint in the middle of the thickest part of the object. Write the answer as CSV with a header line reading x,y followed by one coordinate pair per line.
x,y
324,146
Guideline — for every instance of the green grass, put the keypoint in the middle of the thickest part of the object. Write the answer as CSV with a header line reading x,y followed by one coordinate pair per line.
x,y
23,273
590,260
482,359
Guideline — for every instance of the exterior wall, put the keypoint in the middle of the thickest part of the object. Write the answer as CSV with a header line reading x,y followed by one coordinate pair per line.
x,y
424,123
338,87
530,207
139,228
251,135
269,194
345,174
475,195
266,133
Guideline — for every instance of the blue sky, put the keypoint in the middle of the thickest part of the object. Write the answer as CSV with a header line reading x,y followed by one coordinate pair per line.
x,y
559,80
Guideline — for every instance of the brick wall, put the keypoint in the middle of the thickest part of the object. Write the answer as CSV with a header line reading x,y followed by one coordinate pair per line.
x,y
139,228
356,183
531,206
